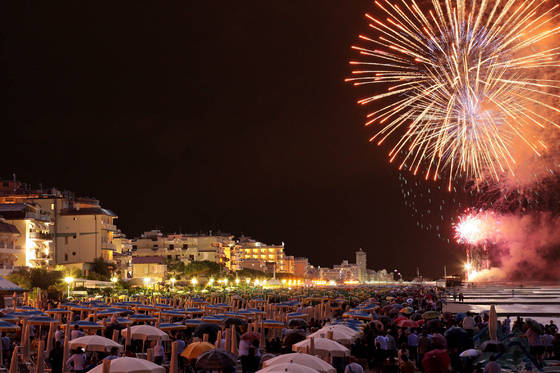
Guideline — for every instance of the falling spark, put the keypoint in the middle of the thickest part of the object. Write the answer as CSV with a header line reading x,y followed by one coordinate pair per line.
x,y
464,83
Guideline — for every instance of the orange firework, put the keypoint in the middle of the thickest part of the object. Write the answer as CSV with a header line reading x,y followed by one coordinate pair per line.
x,y
465,83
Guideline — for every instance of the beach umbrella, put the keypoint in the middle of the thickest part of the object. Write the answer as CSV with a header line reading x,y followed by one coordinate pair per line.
x,y
171,326
288,367
193,322
471,352
491,346
141,317
309,361
41,320
293,338
534,325
338,335
436,361
400,318
297,323
250,336
323,346
457,337
273,324
6,326
145,332
94,343
407,310
429,315
85,324
206,328
216,359
234,321
439,341
130,365
493,324
195,349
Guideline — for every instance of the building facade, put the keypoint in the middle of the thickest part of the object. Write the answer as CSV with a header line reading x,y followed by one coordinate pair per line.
x,y
184,247
9,235
34,244
272,258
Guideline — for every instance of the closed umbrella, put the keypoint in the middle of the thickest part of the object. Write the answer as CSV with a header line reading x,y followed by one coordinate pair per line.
x,y
94,343
287,367
195,349
310,361
130,365
493,324
216,359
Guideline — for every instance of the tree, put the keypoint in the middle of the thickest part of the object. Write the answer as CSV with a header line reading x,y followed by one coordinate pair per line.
x,y
99,270
35,278
203,268
252,273
175,267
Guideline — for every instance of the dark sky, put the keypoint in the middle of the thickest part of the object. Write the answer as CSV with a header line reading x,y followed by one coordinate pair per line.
x,y
222,115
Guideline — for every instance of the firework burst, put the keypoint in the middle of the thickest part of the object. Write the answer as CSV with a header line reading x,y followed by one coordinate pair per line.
x,y
465,83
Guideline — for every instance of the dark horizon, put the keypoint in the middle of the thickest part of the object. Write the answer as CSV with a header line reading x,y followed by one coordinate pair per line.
x,y
206,116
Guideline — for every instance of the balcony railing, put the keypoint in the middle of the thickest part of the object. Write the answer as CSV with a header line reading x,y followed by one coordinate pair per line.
x,y
41,236
109,227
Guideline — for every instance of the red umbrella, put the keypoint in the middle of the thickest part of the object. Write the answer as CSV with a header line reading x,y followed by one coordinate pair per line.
x,y
436,361
407,324
400,318
250,336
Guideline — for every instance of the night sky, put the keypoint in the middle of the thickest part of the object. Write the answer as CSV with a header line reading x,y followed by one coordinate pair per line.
x,y
210,115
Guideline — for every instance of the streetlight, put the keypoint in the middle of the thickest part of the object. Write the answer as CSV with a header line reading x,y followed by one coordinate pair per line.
x,y
194,281
147,281
211,281
247,281
69,280
225,281
172,279
114,280
237,281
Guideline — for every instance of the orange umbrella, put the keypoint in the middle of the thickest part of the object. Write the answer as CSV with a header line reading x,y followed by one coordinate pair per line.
x,y
195,349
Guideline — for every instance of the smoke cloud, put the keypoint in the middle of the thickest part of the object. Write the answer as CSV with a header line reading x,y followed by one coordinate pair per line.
x,y
523,247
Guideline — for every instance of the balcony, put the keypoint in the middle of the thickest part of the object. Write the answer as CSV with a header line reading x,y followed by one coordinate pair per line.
x,y
41,236
109,227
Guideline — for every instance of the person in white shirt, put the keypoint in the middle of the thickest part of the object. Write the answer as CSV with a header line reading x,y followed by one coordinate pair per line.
x,y
76,333
59,335
77,361
158,353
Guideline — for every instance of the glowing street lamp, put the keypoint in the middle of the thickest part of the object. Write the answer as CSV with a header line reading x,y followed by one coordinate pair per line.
x,y
225,281
211,281
69,280
247,281
147,281
194,281
172,279
237,281
114,280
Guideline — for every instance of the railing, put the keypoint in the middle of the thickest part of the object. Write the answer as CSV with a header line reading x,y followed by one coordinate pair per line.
x,y
41,236
109,227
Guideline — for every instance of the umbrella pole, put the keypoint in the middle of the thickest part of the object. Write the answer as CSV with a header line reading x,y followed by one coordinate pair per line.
x,y
50,337
106,366
40,357
13,362
173,363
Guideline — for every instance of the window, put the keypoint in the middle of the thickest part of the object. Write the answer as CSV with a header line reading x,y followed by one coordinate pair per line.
x,y
65,257
191,257
170,257
185,246
171,247
66,240
73,253
134,247
178,257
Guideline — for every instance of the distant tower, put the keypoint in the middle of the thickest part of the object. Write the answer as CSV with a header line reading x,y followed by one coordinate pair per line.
x,y
361,263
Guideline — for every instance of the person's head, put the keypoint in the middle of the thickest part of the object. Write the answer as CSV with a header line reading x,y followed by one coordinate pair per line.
x,y
76,327
114,350
492,357
403,346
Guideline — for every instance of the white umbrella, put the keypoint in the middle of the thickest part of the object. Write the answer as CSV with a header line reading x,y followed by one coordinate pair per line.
x,y
323,346
469,353
310,361
338,335
146,333
94,343
130,365
342,328
287,367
